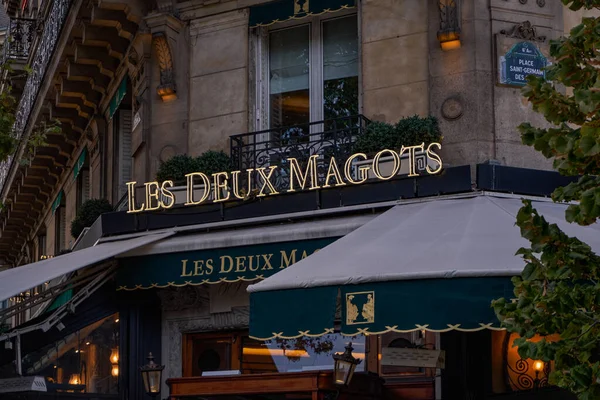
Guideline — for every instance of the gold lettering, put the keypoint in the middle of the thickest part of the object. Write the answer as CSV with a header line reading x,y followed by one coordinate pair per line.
x,y
251,258
311,170
190,188
236,183
166,193
412,170
266,180
209,266
220,184
377,167
286,260
131,198
333,171
223,265
198,267
183,268
435,157
362,170
152,189
304,255
240,262
267,260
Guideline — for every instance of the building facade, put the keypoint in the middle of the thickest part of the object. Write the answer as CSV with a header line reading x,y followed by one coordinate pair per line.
x,y
134,83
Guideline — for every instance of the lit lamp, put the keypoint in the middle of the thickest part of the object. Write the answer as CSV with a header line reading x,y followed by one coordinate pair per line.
x,y
449,33
75,380
114,360
151,376
344,366
538,366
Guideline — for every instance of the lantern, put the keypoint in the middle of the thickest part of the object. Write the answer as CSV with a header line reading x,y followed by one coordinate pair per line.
x,y
344,367
152,376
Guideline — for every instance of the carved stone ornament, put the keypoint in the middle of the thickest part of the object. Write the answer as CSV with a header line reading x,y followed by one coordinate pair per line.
x,y
452,108
524,31
186,297
167,89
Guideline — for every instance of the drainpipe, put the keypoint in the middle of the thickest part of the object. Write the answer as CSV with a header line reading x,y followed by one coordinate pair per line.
x,y
18,355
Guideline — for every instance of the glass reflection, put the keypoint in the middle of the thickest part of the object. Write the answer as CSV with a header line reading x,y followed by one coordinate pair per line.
x,y
82,361
296,355
289,80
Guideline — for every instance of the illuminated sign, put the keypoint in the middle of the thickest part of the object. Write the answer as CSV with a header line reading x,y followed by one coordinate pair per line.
x,y
225,186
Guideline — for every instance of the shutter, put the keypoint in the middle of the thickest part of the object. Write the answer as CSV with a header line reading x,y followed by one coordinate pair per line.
x,y
85,186
125,161
63,229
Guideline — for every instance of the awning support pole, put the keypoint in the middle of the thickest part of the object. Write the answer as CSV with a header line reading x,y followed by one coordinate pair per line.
x,y
18,354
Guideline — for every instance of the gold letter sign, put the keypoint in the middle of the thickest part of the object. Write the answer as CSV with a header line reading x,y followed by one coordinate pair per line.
x,y
357,169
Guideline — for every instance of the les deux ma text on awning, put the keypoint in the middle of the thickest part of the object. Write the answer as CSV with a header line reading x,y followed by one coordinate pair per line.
x,y
434,264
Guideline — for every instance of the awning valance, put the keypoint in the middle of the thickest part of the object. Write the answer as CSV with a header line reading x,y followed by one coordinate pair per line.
x,y
57,201
80,163
284,10
226,264
393,272
20,279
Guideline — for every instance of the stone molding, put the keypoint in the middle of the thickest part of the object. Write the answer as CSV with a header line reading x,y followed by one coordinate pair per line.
x,y
525,30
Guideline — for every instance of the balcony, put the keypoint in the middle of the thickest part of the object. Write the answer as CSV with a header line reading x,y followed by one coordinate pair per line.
x,y
328,138
21,33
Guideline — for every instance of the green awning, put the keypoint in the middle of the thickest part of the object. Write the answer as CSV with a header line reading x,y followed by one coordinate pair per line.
x,y
60,300
115,102
230,264
80,162
57,201
284,10
400,306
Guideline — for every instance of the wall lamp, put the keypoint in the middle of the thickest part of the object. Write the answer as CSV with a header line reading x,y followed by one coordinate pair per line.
x,y
449,33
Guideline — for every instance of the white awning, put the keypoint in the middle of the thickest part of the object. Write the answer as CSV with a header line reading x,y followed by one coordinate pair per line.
x,y
16,280
456,236
280,232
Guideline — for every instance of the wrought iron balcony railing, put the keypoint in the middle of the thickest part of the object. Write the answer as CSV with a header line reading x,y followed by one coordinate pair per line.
x,y
19,41
53,25
329,138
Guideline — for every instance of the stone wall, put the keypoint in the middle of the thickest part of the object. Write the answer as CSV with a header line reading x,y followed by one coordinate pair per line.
x,y
218,82
395,53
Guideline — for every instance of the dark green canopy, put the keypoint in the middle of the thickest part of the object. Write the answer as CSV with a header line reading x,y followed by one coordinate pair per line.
x,y
283,10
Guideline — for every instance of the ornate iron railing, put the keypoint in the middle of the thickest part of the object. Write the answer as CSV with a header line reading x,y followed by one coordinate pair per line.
x,y
329,138
53,26
21,33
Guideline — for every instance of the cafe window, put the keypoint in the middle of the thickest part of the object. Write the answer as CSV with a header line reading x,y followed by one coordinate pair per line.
x,y
84,361
237,353
305,73
393,340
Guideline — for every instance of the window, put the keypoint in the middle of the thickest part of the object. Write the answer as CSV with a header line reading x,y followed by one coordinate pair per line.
x,y
84,361
123,165
236,351
311,74
60,232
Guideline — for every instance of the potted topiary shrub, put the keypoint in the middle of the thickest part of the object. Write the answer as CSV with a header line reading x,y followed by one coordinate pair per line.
x,y
409,131
87,214
178,167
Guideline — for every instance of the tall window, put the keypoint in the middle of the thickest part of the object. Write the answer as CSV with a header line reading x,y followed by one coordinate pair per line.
x,y
123,165
312,74
60,233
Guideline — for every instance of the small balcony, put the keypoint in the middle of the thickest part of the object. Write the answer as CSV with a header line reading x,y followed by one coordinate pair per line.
x,y
19,40
328,138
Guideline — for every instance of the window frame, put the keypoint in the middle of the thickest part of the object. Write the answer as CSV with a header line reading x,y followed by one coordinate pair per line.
x,y
261,67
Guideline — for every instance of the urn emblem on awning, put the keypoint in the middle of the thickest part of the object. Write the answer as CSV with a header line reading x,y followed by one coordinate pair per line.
x,y
360,308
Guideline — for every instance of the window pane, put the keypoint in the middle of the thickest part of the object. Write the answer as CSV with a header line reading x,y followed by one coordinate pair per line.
x,y
83,361
340,67
289,77
295,355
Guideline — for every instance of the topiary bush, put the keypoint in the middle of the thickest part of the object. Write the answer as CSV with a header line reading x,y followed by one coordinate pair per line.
x,y
176,168
211,162
409,131
88,213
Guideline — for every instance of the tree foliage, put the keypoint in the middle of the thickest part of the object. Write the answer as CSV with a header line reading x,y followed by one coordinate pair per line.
x,y
558,292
